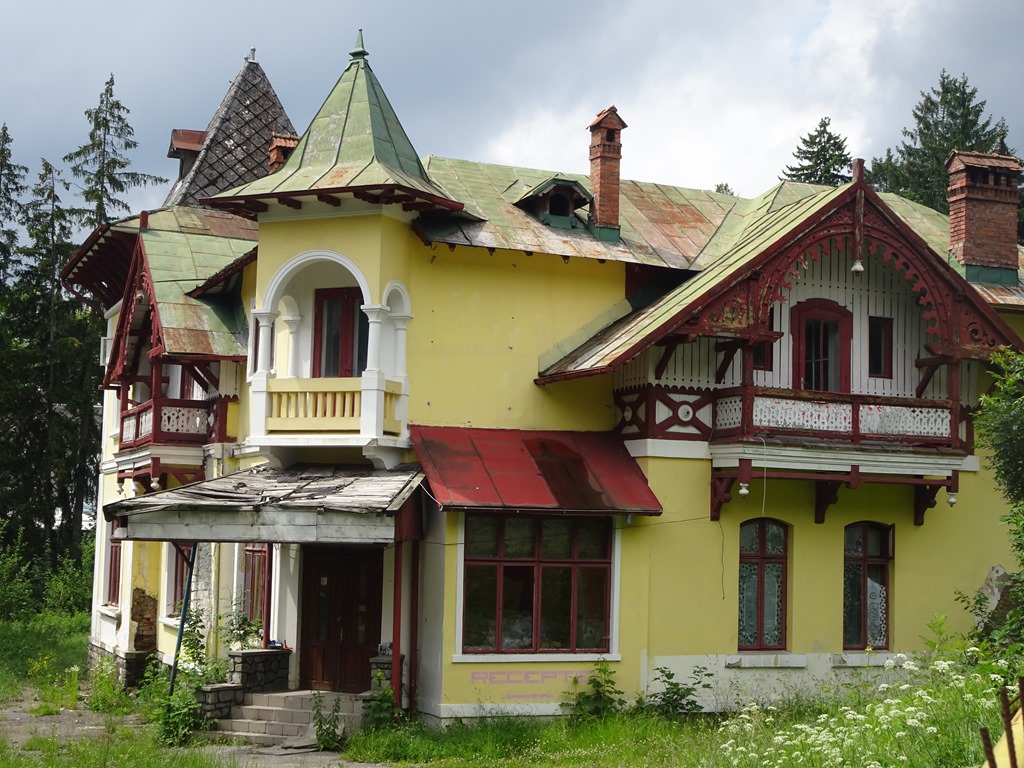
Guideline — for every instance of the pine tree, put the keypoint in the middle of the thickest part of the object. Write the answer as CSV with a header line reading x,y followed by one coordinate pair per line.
x,y
102,164
948,117
822,158
49,378
12,187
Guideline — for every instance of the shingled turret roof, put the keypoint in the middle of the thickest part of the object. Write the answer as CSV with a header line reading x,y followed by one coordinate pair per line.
x,y
356,145
235,146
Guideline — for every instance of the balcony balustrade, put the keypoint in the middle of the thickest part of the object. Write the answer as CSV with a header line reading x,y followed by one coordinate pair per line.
x,y
326,405
168,421
744,412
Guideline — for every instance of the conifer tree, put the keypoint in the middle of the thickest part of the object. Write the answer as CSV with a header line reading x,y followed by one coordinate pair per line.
x,y
948,116
12,187
822,158
102,163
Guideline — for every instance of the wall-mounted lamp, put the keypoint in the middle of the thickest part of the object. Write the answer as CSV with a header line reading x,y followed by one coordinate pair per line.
x,y
858,267
744,490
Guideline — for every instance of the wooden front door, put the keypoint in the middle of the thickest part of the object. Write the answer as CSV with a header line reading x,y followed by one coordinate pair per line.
x,y
341,604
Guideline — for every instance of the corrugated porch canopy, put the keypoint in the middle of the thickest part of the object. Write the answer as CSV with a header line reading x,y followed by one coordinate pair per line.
x,y
306,504
532,471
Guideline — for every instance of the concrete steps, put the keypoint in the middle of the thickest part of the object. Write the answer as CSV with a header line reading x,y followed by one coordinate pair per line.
x,y
286,717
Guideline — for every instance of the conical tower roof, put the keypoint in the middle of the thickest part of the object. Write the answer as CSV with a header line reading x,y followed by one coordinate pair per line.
x,y
235,146
356,145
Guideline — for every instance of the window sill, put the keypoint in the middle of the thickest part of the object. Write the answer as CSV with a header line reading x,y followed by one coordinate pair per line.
x,y
533,658
109,611
855,659
170,621
755,660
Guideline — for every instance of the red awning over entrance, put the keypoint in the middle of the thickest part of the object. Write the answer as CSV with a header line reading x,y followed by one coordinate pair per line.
x,y
582,472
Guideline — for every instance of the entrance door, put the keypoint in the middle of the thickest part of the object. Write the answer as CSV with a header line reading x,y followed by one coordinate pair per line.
x,y
341,596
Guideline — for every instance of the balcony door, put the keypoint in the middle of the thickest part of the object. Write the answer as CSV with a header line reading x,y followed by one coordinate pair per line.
x,y
340,333
822,332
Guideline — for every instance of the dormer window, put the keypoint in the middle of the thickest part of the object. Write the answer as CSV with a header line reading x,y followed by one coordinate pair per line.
x,y
555,201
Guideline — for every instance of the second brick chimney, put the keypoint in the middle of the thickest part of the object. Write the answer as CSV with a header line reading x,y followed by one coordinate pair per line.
x,y
605,155
983,215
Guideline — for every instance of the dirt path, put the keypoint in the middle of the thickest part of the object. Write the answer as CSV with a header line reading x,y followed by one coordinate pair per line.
x,y
18,725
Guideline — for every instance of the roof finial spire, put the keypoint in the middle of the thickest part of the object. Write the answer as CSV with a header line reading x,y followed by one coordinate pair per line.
x,y
252,55
359,52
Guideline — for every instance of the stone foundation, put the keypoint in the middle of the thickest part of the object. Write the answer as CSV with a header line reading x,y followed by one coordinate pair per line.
x,y
259,670
131,665
216,701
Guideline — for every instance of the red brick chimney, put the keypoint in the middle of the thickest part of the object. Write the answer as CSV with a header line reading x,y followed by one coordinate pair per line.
x,y
281,146
605,154
983,215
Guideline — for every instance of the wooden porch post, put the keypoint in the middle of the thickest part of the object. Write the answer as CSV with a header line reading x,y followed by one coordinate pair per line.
x,y
414,620
266,592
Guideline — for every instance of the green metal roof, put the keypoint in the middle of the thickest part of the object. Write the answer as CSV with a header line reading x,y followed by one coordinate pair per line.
x,y
355,141
181,254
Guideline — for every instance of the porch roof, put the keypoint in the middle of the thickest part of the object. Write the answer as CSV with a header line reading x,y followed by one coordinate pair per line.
x,y
306,504
526,471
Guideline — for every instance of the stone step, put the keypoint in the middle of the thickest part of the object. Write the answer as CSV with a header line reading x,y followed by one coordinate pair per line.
x,y
261,727
262,739
280,714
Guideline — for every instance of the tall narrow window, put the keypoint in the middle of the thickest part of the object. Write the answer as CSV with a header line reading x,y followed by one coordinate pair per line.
x,y
254,567
763,351
340,333
880,347
867,550
181,555
536,584
762,600
114,565
822,334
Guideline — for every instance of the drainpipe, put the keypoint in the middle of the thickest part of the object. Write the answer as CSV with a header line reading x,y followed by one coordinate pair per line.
x,y
186,599
396,632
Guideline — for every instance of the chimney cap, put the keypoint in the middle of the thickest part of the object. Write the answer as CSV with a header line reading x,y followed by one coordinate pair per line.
x,y
608,118
957,160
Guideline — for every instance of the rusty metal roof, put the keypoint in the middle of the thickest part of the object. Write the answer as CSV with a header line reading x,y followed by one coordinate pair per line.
x,y
235,147
355,142
181,250
585,472
660,225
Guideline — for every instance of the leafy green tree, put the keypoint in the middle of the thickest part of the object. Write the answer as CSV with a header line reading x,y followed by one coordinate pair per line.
x,y
949,116
723,188
822,158
102,164
49,381
12,187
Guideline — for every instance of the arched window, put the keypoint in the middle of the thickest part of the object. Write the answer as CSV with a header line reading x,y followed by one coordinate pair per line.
x,y
867,553
762,599
822,331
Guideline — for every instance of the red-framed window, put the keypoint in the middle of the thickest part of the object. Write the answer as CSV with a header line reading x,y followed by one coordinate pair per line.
x,y
822,331
867,555
114,566
181,555
880,347
340,331
536,584
254,568
764,351
762,599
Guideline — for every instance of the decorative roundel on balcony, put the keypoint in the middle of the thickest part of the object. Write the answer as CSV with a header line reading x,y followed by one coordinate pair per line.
x,y
627,413
684,412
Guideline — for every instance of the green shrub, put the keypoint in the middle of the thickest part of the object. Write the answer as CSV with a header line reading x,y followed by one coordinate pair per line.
x,y
599,696
379,710
327,724
675,699
106,694
69,588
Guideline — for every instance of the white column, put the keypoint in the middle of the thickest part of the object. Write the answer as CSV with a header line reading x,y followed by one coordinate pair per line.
x,y
401,323
371,418
258,397
294,357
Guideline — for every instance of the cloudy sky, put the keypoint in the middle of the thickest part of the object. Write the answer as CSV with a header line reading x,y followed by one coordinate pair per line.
x,y
712,92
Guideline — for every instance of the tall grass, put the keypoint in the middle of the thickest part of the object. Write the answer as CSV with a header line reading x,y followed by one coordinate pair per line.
x,y
912,713
39,650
